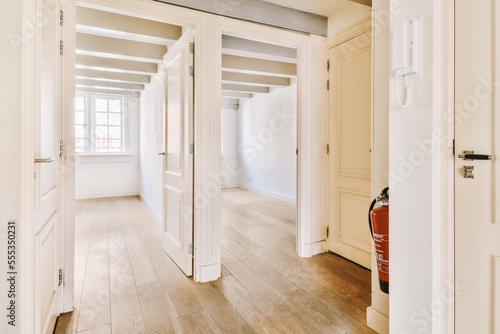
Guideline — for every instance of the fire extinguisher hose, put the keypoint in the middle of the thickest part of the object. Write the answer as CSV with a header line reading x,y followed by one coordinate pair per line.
x,y
370,215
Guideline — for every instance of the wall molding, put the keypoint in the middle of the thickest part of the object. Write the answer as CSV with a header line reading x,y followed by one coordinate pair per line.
x,y
264,192
155,213
108,194
348,34
377,321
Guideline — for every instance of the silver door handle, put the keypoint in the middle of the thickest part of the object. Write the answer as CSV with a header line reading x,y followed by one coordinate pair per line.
x,y
162,153
44,160
470,155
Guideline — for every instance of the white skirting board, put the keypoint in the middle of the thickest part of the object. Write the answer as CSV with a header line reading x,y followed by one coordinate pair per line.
x,y
157,216
309,250
283,198
377,321
107,194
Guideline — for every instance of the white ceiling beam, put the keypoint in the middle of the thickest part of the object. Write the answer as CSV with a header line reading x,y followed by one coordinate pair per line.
x,y
109,84
254,79
107,91
247,48
112,76
119,48
363,2
261,12
245,88
257,66
115,65
100,19
237,95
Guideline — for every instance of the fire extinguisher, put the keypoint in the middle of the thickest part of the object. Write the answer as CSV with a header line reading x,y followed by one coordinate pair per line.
x,y
379,227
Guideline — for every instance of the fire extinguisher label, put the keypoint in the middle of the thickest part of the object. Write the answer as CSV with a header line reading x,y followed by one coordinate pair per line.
x,y
382,255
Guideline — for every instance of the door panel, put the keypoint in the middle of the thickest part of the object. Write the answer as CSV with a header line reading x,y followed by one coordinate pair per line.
x,y
178,167
349,160
477,228
47,218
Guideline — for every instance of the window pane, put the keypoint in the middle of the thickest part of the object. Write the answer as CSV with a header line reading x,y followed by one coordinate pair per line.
x,y
101,118
115,119
80,103
80,131
80,146
80,117
101,132
115,145
101,145
115,132
115,106
101,104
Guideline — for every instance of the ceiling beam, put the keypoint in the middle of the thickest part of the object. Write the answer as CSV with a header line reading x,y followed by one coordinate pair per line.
x,y
113,76
237,95
363,2
119,48
247,48
109,84
261,12
123,23
107,91
254,79
257,66
245,88
114,65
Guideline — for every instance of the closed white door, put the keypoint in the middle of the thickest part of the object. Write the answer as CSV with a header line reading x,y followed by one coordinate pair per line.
x,y
47,214
177,236
349,159
477,198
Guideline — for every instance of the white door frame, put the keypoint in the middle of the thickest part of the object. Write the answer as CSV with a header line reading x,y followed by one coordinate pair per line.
x,y
305,115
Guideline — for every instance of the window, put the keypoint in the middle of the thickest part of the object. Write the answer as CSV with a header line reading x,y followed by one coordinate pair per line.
x,y
100,124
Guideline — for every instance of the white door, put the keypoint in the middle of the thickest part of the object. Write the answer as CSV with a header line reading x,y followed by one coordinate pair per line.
x,y
47,214
349,159
477,128
177,236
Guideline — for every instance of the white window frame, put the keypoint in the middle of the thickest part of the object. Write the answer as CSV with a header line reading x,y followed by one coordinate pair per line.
x,y
90,128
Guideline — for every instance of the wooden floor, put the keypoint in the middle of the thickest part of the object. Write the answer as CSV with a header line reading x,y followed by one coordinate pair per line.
x,y
125,283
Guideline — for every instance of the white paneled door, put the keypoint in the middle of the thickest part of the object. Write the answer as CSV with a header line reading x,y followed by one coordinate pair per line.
x,y
349,159
477,181
177,236
47,178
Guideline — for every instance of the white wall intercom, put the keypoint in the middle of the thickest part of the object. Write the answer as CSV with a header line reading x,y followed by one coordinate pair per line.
x,y
407,54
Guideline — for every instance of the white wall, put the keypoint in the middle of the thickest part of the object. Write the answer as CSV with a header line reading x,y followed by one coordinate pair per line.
x,y
416,175
97,177
151,143
347,17
230,158
267,132
10,140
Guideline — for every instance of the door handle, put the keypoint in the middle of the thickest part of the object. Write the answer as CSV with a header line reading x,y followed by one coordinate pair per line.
x,y
470,155
162,153
44,160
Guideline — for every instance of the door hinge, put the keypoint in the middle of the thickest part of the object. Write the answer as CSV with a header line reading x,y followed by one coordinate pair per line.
x,y
191,71
191,248
191,47
327,231
191,148
61,148
61,17
328,84
60,277
327,148
328,65
61,47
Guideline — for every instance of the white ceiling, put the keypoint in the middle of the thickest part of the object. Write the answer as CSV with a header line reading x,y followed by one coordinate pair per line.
x,y
321,7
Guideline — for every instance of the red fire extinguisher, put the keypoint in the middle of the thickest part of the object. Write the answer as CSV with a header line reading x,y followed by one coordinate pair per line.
x,y
379,227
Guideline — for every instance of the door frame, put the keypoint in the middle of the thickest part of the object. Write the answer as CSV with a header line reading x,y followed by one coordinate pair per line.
x,y
305,247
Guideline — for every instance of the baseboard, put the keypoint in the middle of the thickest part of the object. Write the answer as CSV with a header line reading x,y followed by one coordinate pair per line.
x,y
377,321
209,273
155,214
283,198
107,194
309,250
230,186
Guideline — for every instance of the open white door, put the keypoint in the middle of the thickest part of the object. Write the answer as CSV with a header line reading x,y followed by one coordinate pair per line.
x,y
177,236
477,181
47,214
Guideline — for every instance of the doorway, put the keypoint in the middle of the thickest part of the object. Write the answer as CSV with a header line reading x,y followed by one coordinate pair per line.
x,y
259,137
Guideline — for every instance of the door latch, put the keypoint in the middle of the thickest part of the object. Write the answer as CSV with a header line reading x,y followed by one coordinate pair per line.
x,y
468,172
